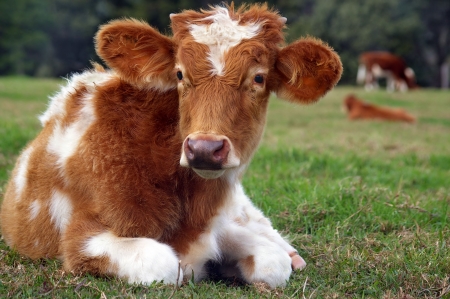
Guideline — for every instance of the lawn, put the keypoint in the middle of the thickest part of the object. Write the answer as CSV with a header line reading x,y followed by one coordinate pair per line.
x,y
365,202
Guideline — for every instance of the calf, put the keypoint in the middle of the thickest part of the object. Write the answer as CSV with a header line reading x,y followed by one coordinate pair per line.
x,y
375,65
357,109
137,171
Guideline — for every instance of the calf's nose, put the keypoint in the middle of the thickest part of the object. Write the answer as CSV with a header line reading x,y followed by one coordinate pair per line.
x,y
206,154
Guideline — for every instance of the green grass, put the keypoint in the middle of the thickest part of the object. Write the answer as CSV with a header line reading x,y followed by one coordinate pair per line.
x,y
22,99
366,203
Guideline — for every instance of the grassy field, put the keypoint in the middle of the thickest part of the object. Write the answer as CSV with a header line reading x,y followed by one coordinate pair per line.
x,y
366,203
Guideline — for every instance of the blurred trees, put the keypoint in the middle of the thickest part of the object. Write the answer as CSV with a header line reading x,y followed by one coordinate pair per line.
x,y
21,44
55,37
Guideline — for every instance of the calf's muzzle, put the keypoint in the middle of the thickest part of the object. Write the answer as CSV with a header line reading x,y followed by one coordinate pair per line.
x,y
206,154
209,155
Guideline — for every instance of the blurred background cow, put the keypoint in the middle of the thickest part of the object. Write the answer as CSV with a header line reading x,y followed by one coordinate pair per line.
x,y
359,109
376,65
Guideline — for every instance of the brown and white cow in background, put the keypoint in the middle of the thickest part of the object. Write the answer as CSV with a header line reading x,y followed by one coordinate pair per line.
x,y
139,167
376,65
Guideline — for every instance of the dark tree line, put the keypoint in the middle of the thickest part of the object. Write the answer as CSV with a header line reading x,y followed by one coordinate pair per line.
x,y
55,37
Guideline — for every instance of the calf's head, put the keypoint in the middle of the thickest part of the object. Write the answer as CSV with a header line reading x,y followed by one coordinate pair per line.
x,y
224,64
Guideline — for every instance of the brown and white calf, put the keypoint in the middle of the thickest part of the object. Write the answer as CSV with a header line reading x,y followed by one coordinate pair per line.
x,y
139,167
358,109
376,65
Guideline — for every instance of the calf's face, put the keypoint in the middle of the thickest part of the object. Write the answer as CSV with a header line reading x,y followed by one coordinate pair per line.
x,y
224,65
222,114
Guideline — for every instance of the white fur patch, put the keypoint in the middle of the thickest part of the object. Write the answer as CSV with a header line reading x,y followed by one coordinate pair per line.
x,y
257,221
20,180
205,248
140,260
378,71
64,140
361,75
223,34
34,209
57,104
409,73
60,210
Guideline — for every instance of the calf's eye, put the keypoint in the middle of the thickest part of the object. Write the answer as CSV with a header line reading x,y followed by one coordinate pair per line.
x,y
180,75
259,79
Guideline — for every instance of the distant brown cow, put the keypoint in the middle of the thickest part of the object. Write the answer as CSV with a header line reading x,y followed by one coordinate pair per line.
x,y
357,109
375,65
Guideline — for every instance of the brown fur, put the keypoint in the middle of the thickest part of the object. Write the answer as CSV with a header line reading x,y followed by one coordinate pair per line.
x,y
124,176
248,265
357,109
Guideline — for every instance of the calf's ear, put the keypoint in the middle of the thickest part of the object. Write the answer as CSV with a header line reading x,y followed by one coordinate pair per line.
x,y
308,69
137,52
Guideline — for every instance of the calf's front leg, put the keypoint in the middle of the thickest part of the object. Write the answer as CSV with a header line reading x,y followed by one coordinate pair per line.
x,y
260,225
88,246
248,238
257,258
251,217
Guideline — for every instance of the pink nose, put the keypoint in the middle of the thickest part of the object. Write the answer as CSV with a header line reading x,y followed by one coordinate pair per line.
x,y
206,154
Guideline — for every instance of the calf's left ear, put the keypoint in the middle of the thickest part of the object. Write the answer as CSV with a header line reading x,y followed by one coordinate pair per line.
x,y
308,69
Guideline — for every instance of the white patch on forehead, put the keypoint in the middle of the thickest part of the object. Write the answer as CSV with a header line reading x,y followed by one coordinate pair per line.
x,y
34,208
20,179
221,35
60,210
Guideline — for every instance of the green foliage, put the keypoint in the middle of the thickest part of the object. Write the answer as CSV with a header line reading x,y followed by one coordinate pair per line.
x,y
23,40
55,37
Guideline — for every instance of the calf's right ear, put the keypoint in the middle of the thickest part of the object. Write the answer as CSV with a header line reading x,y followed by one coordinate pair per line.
x,y
308,69
137,52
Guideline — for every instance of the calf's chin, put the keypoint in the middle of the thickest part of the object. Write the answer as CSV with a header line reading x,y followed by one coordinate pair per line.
x,y
209,174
